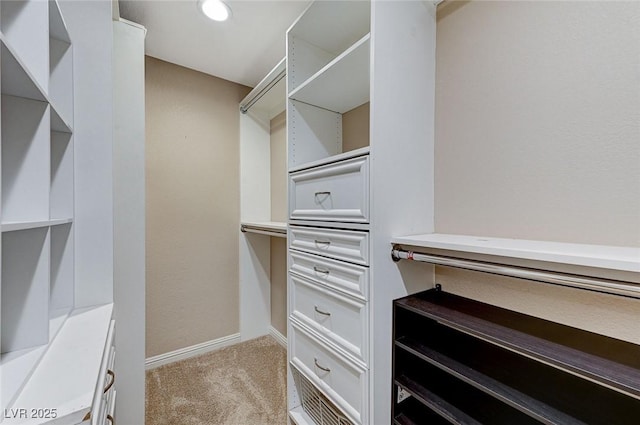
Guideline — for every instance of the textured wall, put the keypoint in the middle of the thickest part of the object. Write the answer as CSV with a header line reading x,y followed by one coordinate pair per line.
x,y
537,129
279,213
537,137
192,148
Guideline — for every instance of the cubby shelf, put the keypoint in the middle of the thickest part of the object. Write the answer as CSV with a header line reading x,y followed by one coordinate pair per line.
x,y
341,85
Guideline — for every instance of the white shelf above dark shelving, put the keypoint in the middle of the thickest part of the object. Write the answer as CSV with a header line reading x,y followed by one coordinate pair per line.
x,y
601,256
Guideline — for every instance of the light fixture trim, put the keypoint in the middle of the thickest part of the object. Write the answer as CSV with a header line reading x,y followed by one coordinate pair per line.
x,y
216,10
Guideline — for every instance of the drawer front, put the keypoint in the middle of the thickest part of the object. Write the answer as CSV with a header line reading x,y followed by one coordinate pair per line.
x,y
334,192
343,245
339,318
343,383
344,277
106,380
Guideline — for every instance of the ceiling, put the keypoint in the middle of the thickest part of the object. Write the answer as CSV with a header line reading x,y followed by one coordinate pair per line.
x,y
243,49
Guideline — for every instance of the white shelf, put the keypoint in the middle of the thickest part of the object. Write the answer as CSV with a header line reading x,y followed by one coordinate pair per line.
x,y
18,366
300,417
57,27
343,84
25,225
66,376
16,79
334,158
599,256
269,96
270,228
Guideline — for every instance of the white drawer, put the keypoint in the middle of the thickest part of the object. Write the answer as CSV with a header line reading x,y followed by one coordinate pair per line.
x,y
344,277
344,245
340,318
333,192
344,383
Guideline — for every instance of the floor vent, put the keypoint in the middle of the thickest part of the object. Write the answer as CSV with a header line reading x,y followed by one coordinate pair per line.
x,y
316,405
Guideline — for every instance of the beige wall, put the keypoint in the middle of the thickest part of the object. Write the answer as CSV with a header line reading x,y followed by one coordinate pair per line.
x,y
192,156
355,128
279,213
537,137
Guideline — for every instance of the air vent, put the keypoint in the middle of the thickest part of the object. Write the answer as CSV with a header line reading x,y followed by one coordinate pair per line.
x,y
315,404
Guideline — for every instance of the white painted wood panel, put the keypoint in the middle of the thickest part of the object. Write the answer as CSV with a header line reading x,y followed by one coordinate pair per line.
x,y
343,84
345,383
61,79
344,245
313,133
25,159
61,267
334,192
305,59
25,289
343,277
17,80
25,225
61,196
341,319
25,25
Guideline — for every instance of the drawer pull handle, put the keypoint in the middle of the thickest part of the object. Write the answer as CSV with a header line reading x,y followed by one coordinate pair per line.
x,y
324,313
110,419
322,193
319,270
325,369
326,243
113,380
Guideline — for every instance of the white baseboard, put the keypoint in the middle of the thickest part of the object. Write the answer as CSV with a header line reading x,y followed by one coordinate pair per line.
x,y
282,340
192,351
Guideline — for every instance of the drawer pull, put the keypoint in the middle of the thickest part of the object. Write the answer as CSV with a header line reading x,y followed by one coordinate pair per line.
x,y
324,243
110,419
113,380
322,193
325,369
324,313
319,270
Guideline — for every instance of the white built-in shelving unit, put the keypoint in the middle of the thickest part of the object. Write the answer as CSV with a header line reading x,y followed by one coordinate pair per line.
x,y
257,222
346,199
51,346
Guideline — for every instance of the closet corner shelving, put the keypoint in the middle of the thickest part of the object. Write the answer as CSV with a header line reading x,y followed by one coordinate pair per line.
x,y
262,200
344,195
51,350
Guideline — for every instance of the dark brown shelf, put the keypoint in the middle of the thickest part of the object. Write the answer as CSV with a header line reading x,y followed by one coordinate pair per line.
x,y
606,361
516,399
435,403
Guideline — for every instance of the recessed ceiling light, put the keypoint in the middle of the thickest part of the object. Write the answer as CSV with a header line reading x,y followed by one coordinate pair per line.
x,y
215,9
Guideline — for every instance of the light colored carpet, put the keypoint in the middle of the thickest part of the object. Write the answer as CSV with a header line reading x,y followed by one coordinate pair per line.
x,y
244,384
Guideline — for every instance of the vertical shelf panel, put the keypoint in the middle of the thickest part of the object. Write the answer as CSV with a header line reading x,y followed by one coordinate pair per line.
x,y
61,198
25,289
25,160
313,133
61,279
61,78
24,25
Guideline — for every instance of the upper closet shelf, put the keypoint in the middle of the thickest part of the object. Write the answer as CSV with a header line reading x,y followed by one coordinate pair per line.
x,y
343,84
269,96
601,256
270,228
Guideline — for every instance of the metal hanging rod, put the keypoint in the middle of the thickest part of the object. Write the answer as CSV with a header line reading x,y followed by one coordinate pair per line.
x,y
614,287
263,230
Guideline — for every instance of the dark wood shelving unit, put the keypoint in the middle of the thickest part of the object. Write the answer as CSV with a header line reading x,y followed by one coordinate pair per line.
x,y
470,362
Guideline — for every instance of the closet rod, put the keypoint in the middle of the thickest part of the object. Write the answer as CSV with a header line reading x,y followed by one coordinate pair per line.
x,y
614,287
251,228
244,108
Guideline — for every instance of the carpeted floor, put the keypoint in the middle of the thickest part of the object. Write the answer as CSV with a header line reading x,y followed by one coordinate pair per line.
x,y
244,384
